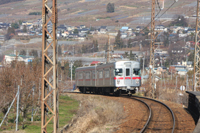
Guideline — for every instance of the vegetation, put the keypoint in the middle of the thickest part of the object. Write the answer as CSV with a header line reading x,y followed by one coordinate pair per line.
x,y
10,33
22,52
118,41
24,29
95,113
35,13
34,53
59,50
15,25
179,21
94,47
110,7
67,108
75,31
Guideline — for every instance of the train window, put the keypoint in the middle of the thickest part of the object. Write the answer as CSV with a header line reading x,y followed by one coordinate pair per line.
x,y
107,74
118,72
80,75
93,73
101,74
87,75
127,72
136,72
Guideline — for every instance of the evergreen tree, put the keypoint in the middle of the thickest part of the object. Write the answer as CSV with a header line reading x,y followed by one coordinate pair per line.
x,y
34,53
179,21
131,55
24,29
84,49
96,49
59,50
110,7
129,43
9,33
118,41
15,25
75,31
22,52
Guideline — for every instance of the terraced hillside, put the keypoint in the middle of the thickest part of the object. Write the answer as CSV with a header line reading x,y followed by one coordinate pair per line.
x,y
93,12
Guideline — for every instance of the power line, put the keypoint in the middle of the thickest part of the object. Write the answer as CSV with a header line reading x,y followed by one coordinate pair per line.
x,y
166,11
160,15
158,4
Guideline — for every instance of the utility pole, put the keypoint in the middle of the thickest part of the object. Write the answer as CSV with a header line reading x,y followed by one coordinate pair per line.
x,y
176,83
49,67
33,89
71,69
152,48
108,50
196,78
17,116
62,63
187,83
143,71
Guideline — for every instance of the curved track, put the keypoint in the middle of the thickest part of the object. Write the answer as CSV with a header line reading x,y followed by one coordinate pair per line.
x,y
149,116
162,117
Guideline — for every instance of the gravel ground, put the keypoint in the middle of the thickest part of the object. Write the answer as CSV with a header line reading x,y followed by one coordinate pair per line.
x,y
135,115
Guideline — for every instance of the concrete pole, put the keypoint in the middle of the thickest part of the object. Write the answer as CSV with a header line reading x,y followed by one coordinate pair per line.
x,y
187,85
17,115
143,71
71,72
176,82
164,81
32,105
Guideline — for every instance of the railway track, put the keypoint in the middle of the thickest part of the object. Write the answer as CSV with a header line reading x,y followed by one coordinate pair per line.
x,y
157,118
161,117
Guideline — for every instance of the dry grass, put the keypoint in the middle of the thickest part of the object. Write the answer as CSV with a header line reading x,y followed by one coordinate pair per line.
x,y
96,114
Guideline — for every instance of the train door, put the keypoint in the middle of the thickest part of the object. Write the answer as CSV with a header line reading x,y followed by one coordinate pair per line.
x,y
127,78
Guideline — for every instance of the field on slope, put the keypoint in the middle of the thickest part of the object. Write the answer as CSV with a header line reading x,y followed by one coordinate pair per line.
x,y
93,12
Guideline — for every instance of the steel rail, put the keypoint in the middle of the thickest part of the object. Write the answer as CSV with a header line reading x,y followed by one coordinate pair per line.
x,y
150,114
173,116
150,111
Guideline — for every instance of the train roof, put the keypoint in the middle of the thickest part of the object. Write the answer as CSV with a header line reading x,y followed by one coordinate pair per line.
x,y
101,64
86,67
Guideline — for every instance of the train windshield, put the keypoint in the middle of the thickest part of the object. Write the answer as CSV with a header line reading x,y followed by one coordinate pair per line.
x,y
118,72
136,72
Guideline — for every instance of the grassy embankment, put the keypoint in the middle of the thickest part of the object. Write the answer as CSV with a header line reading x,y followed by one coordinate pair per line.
x,y
67,108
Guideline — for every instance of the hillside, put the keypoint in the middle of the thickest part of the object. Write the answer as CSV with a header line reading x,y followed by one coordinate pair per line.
x,y
93,12
8,1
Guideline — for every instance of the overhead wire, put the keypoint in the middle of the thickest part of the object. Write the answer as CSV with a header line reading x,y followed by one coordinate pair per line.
x,y
158,4
160,15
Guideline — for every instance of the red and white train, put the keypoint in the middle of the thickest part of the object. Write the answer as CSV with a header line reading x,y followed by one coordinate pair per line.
x,y
117,78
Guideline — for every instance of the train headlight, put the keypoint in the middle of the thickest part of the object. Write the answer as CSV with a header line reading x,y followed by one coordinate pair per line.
x,y
137,81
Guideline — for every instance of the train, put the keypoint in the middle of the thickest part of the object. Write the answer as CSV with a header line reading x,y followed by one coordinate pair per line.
x,y
119,77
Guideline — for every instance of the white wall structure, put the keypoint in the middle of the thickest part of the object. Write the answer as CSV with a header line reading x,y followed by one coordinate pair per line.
x,y
9,58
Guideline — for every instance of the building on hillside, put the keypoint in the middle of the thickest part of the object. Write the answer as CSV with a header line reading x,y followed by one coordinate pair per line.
x,y
9,58
180,70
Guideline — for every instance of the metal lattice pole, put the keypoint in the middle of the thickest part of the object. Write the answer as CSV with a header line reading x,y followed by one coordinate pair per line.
x,y
197,53
49,66
152,48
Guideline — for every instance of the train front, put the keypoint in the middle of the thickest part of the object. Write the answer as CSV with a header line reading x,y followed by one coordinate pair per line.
x,y
127,76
